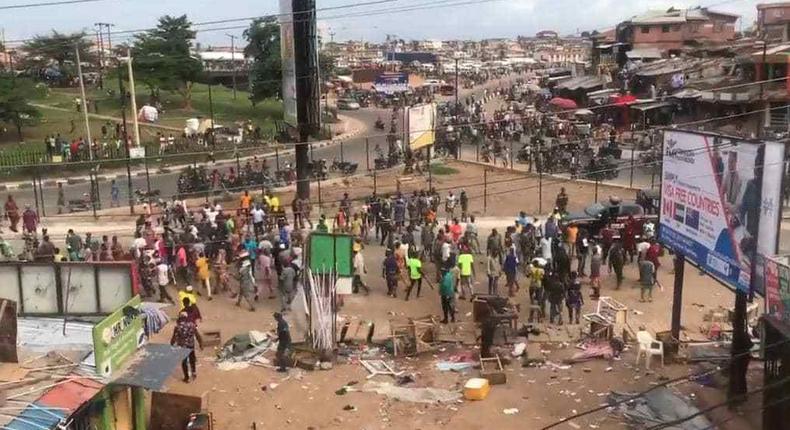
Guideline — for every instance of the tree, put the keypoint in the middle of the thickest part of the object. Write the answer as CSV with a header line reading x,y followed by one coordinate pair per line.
x,y
263,46
326,65
163,60
58,49
15,107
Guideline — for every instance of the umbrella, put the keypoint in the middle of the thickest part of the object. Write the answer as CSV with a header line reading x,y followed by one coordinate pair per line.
x,y
563,103
584,112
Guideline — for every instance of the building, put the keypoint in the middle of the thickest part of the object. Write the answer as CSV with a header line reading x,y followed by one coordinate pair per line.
x,y
773,20
674,29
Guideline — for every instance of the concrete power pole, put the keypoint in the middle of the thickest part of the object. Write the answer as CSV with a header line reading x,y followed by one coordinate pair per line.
x,y
84,103
233,61
134,100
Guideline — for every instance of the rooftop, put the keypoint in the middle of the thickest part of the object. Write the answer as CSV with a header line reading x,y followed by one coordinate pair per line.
x,y
677,16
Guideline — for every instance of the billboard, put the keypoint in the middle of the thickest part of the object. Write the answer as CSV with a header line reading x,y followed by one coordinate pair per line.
x,y
117,337
777,289
392,82
287,56
421,120
720,202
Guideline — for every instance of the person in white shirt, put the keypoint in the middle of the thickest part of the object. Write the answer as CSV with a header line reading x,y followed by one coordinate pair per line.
x,y
545,250
258,216
163,276
641,249
359,270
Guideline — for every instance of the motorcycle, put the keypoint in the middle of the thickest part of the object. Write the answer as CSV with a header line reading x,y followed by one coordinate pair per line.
x,y
344,167
145,196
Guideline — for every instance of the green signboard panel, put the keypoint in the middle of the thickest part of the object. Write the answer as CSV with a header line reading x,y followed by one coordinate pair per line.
x,y
331,251
117,337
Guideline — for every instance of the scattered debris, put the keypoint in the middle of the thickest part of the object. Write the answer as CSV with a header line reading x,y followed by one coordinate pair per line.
x,y
658,405
379,367
416,395
476,389
350,408
510,411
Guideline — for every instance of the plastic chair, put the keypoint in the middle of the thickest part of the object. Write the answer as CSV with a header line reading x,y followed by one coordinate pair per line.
x,y
649,347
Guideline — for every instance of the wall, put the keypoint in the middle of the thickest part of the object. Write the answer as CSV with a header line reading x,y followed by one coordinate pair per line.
x,y
773,15
716,30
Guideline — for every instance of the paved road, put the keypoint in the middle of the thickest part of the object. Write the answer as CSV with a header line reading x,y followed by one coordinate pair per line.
x,y
352,150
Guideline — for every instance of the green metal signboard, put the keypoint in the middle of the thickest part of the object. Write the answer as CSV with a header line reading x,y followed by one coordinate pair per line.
x,y
331,252
117,337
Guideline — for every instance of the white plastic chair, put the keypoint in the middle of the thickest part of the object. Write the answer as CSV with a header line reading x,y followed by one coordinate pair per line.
x,y
649,347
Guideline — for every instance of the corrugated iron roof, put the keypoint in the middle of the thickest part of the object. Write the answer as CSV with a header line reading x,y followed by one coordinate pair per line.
x,y
70,395
36,417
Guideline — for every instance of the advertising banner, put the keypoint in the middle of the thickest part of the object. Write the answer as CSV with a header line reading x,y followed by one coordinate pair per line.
x,y
390,83
777,290
422,121
720,202
117,337
290,115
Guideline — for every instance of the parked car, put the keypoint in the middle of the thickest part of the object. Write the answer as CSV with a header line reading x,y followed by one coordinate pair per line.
x,y
347,104
612,213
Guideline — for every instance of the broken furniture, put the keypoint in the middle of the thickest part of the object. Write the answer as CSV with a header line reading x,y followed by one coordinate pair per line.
x,y
648,346
492,370
610,319
379,367
502,310
413,336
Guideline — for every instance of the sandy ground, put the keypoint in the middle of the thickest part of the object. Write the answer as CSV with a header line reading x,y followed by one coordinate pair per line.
x,y
542,395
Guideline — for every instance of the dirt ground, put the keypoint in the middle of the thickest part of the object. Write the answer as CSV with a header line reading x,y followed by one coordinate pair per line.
x,y
542,395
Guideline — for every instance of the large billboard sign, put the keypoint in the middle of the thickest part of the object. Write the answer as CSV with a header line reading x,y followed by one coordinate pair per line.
x,y
720,202
392,82
287,55
422,123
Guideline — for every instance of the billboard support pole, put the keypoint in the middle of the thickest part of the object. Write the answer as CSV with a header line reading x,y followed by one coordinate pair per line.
x,y
540,176
677,295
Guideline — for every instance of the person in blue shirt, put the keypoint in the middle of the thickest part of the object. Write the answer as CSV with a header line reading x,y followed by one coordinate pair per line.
x,y
510,267
251,246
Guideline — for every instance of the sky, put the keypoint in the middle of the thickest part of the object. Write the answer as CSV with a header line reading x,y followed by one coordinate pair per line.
x,y
442,19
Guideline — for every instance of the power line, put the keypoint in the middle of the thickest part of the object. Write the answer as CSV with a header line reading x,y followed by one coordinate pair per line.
x,y
51,3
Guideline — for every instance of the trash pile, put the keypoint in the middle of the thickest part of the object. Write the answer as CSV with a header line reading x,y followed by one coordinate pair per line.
x,y
244,350
660,405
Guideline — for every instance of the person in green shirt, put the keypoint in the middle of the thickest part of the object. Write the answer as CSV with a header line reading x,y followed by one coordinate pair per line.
x,y
415,274
322,227
447,293
467,269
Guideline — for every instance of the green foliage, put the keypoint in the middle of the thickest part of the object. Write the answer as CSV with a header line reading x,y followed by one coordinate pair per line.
x,y
162,58
263,46
15,95
441,169
58,49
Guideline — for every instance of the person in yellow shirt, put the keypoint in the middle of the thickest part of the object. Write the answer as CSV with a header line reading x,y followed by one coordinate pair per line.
x,y
203,273
188,293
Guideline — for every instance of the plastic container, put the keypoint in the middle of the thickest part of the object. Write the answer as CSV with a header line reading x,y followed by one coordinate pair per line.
x,y
476,389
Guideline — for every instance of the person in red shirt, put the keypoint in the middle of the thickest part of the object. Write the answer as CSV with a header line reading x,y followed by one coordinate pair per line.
x,y
653,253
607,239
455,230
629,237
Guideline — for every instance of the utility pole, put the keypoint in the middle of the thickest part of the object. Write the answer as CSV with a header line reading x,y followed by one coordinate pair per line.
x,y
307,95
84,103
134,100
233,61
100,39
125,137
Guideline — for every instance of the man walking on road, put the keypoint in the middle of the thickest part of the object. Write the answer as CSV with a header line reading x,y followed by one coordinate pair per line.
x,y
283,342
184,335
415,274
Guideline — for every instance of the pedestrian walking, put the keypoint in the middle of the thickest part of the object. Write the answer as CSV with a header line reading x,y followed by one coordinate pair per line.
x,y
447,292
574,299
647,279
617,261
467,268
287,287
283,342
203,273
359,270
184,335
510,268
494,271
415,275
389,272
246,282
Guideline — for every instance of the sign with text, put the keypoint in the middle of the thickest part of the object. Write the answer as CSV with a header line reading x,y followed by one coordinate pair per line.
x,y
777,289
392,82
117,337
422,122
720,202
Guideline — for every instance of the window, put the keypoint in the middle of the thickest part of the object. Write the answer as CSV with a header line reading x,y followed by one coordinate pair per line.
x,y
645,29
665,29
